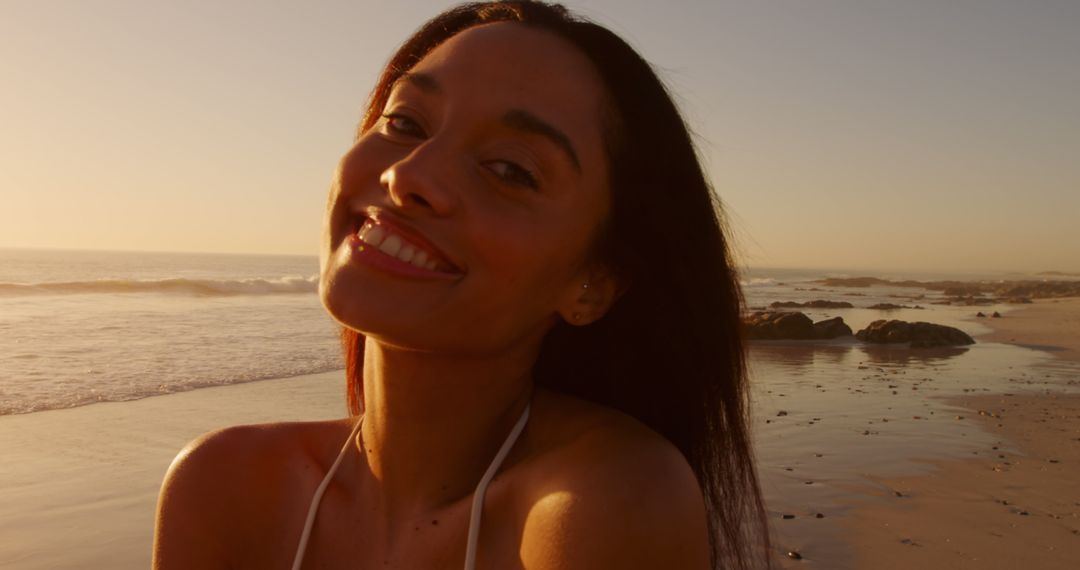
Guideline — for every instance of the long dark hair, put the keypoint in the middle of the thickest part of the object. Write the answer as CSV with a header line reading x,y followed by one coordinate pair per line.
x,y
669,352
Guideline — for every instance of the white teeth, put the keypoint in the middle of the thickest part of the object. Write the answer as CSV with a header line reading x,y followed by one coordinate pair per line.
x,y
391,245
373,235
407,252
420,259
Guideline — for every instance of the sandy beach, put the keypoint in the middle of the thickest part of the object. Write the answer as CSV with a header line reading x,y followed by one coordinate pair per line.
x,y
78,486
1052,325
1016,502
872,457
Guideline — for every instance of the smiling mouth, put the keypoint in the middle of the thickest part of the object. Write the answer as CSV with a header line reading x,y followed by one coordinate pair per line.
x,y
390,241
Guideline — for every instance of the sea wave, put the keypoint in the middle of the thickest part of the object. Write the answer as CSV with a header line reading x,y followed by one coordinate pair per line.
x,y
758,282
292,284
127,392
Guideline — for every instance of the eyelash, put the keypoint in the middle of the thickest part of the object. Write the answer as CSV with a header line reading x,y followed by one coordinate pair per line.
x,y
519,175
390,117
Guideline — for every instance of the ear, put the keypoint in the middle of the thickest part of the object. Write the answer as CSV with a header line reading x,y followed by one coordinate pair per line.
x,y
589,296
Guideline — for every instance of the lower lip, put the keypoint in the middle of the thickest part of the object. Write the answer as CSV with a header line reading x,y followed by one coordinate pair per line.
x,y
375,258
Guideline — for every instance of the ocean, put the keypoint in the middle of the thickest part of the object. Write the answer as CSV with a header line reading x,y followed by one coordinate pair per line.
x,y
78,327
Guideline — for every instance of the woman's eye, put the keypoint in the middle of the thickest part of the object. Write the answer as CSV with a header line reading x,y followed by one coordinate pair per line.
x,y
402,125
514,173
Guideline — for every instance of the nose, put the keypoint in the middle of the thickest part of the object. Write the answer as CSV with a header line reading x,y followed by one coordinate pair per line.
x,y
420,181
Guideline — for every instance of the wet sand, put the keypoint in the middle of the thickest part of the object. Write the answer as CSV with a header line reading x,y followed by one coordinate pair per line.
x,y
1016,502
78,487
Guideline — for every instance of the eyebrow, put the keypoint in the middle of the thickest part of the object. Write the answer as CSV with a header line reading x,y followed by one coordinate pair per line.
x,y
517,119
423,81
525,121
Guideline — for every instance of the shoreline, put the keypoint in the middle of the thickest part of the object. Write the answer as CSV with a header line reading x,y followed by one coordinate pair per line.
x,y
181,390
1014,503
78,486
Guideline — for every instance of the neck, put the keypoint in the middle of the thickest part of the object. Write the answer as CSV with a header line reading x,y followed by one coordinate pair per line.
x,y
433,423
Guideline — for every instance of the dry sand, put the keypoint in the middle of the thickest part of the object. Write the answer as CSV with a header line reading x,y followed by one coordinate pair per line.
x,y
1052,325
1016,503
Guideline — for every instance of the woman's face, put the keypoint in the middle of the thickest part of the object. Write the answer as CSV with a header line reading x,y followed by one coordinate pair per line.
x,y
461,220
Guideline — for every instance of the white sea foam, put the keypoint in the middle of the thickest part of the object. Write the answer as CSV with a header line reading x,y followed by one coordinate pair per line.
x,y
757,282
171,286
84,327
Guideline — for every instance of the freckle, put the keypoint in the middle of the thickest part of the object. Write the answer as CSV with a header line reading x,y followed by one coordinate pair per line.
x,y
434,521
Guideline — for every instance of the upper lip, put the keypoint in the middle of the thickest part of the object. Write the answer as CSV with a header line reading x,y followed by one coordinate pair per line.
x,y
402,228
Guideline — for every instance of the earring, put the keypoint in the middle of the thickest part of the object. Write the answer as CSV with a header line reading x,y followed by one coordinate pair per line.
x,y
585,285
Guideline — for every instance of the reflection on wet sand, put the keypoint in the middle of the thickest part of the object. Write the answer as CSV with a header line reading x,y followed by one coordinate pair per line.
x,y
801,354
833,417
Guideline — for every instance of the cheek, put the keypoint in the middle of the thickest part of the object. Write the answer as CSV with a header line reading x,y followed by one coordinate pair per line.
x,y
528,263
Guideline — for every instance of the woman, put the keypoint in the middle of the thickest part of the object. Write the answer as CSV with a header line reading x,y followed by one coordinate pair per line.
x,y
533,284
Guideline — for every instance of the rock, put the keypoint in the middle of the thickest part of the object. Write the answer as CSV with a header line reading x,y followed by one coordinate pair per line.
x,y
980,314
918,334
996,315
792,325
961,291
831,328
1021,291
818,304
890,307
775,325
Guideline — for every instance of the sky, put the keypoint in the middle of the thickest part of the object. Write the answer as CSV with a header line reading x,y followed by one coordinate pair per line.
x,y
923,134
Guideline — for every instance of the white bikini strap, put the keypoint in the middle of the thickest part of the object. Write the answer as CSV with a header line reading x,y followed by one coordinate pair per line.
x,y
481,489
317,498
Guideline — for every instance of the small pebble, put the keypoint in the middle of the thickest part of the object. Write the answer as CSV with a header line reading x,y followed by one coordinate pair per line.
x,y
787,517
794,555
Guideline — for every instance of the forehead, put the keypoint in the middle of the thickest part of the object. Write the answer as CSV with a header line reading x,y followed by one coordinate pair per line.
x,y
506,65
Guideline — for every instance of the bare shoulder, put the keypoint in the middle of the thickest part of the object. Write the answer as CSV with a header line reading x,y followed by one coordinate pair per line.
x,y
230,485
613,494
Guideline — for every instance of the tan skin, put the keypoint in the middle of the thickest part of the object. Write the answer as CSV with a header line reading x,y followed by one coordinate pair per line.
x,y
447,361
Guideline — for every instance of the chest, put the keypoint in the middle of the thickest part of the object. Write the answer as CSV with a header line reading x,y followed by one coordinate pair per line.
x,y
349,535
